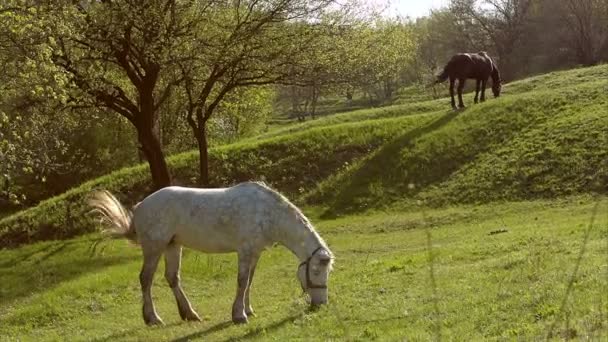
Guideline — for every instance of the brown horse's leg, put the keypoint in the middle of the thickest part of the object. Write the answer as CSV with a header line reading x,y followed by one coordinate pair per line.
x,y
477,91
173,256
146,277
483,89
238,307
461,82
452,92
254,262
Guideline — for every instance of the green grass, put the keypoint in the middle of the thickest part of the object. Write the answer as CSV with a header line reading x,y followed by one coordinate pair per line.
x,y
511,285
361,115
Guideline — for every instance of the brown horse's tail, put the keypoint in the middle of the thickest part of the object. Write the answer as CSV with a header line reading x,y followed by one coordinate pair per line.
x,y
114,215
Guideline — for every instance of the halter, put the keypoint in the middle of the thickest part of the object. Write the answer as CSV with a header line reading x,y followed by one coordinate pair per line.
x,y
309,284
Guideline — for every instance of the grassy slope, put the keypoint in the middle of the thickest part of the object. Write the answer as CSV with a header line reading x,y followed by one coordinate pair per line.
x,y
286,162
544,138
511,285
536,144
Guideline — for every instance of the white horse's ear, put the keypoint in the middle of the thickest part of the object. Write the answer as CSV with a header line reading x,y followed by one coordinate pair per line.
x,y
324,259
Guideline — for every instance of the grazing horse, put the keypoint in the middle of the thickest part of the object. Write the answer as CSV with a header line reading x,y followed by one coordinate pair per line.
x,y
478,66
246,218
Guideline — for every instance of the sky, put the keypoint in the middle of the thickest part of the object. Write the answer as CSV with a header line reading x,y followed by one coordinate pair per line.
x,y
411,8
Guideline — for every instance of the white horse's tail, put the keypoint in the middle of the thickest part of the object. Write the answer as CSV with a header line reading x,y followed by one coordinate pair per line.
x,y
114,215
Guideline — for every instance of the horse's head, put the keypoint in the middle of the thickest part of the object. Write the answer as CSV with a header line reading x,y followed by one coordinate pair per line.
x,y
496,81
314,274
496,87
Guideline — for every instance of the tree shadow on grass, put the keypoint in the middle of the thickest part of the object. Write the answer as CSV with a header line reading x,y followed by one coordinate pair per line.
x,y
24,257
61,248
383,167
36,268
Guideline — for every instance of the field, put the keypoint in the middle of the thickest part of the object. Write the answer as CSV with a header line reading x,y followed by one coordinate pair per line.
x,y
485,224
528,270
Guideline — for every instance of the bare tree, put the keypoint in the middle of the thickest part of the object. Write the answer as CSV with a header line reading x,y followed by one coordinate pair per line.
x,y
587,24
503,21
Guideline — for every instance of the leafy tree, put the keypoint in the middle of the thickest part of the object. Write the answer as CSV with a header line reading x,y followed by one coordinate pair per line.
x,y
121,55
30,132
152,61
316,72
370,56
379,53
245,43
244,112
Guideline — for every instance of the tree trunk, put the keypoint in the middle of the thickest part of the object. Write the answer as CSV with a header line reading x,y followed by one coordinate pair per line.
x,y
313,104
203,156
349,95
150,146
388,89
148,131
295,103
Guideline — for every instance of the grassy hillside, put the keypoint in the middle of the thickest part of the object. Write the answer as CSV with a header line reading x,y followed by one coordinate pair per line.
x,y
292,163
536,144
521,271
544,138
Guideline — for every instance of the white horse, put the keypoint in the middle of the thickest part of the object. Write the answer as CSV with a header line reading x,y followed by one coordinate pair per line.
x,y
246,218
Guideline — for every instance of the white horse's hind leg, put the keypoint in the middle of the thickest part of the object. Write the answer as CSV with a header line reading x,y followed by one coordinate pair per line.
x,y
238,307
145,278
254,263
173,256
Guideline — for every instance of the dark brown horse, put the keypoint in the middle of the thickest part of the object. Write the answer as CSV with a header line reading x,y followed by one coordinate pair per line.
x,y
478,66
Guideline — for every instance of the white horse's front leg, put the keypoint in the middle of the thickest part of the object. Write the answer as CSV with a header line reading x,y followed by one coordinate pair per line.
x,y
173,256
238,308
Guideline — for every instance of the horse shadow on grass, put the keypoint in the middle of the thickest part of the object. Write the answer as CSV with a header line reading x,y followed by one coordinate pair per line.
x,y
383,166
251,334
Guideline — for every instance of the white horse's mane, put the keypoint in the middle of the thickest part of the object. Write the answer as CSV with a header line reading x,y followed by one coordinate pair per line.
x,y
298,213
